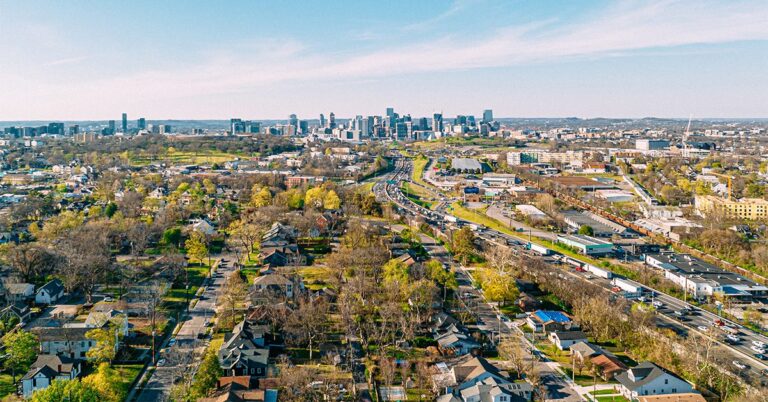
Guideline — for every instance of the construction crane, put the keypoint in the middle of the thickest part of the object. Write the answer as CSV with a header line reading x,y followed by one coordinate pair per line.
x,y
685,137
730,183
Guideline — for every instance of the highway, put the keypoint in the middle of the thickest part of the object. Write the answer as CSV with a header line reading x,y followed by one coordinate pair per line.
x,y
489,320
756,371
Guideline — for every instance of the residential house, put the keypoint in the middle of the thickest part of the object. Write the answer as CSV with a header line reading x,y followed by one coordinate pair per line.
x,y
493,390
548,321
454,341
244,351
608,366
46,369
18,312
464,373
19,292
275,285
202,226
50,293
650,379
564,339
240,388
69,342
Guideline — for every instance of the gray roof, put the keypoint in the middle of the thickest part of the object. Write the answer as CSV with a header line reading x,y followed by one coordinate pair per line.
x,y
570,335
642,374
465,163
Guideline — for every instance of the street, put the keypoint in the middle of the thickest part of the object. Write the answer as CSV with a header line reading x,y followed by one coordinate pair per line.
x,y
187,351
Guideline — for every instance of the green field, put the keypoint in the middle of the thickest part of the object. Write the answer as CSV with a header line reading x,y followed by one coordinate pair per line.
x,y
418,169
128,373
192,158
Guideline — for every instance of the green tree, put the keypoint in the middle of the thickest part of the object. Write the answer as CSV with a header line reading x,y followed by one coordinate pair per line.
x,y
395,271
67,391
110,210
172,237
207,375
499,287
314,197
586,230
106,344
106,382
463,244
21,348
196,246
331,200
444,278
260,197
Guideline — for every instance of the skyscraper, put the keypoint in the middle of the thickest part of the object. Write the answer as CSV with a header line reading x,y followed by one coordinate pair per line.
x,y
294,122
487,116
141,124
111,127
125,122
322,120
332,120
437,122
390,112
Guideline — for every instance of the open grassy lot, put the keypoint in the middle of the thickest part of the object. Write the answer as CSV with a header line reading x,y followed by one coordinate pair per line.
x,y
128,374
178,157
419,164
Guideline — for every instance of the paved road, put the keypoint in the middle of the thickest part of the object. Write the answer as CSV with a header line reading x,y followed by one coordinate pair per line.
x,y
188,349
496,325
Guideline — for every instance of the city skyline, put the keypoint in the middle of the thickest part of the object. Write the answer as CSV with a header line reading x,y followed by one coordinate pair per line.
x,y
585,59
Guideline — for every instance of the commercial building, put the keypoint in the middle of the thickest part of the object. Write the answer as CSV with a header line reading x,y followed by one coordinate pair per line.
x,y
466,165
651,145
744,208
528,156
586,245
125,123
701,279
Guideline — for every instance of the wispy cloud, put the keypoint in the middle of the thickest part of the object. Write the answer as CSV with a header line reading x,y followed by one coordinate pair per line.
x,y
68,60
619,30
456,7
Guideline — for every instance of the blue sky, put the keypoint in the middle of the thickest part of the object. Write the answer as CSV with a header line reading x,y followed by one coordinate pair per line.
x,y
266,59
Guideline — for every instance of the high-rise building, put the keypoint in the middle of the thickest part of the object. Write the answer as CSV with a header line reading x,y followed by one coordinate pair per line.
x,y
293,121
322,120
304,127
55,128
125,122
390,112
236,126
487,116
74,129
141,124
437,122
332,120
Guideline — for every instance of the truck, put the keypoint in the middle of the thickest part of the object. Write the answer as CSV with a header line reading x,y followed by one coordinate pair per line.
x,y
451,218
539,249
629,289
597,271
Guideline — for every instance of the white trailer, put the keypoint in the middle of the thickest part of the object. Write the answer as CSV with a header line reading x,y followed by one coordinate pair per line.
x,y
629,288
451,218
539,249
597,271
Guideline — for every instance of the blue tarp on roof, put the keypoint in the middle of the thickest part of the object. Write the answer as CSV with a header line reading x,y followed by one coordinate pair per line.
x,y
556,316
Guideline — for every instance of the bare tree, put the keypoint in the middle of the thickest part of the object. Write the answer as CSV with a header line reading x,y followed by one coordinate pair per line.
x,y
306,324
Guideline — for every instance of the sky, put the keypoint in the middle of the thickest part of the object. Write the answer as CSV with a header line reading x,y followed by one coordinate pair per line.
x,y
195,59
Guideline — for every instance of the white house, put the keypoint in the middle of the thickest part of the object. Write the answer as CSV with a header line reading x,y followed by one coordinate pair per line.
x,y
564,339
46,369
649,379
50,293
64,341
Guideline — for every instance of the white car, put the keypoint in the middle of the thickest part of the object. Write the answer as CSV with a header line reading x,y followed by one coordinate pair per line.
x,y
759,344
733,338
758,349
702,328
658,304
739,365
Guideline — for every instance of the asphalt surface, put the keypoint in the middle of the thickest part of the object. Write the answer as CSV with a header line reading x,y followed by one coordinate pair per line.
x,y
489,320
187,350
701,322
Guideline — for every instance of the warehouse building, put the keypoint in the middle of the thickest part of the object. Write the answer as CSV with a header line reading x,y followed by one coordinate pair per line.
x,y
586,245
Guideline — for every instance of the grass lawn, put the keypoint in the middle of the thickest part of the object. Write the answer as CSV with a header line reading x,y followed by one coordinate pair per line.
x,y
612,398
603,392
316,277
418,170
250,274
204,156
128,373
584,379
366,188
